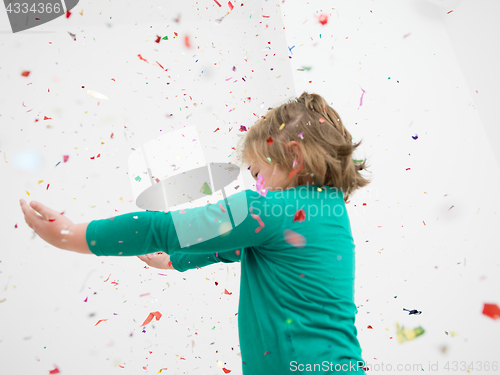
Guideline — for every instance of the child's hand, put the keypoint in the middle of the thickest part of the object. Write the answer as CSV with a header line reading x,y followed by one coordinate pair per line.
x,y
48,225
157,260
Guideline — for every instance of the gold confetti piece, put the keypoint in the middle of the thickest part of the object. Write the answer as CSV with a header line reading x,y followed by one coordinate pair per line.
x,y
282,126
97,95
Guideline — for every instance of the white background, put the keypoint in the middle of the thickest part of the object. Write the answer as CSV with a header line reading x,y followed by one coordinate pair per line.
x,y
425,230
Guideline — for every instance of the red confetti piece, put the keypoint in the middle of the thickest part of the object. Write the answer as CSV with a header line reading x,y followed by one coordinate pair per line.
x,y
25,73
216,283
230,5
170,264
222,208
300,216
107,278
323,19
302,275
216,2
175,35
267,352
270,141
102,320
449,12
186,41
142,58
226,292
47,118
294,238
238,252
321,120
492,310
226,371
55,371
216,130
369,327
155,314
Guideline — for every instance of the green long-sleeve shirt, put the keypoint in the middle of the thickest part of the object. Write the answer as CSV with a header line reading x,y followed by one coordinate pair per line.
x,y
296,310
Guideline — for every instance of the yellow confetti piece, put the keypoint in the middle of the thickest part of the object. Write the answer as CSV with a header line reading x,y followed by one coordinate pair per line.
x,y
27,192
282,126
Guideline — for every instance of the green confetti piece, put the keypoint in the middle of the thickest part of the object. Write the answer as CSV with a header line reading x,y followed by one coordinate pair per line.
x,y
357,161
165,37
205,189
138,178
268,158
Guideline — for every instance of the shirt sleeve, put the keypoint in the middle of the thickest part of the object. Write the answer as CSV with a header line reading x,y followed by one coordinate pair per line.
x,y
244,219
183,262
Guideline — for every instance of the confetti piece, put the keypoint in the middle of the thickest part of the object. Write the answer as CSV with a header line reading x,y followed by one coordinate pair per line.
x,y
259,220
55,371
282,126
321,120
260,186
25,73
270,141
406,334
301,135
415,137
97,95
216,2
205,189
102,320
226,371
267,352
230,5
155,314
186,41
293,238
226,292
492,310
300,216
369,327
413,312
222,208
323,19
242,128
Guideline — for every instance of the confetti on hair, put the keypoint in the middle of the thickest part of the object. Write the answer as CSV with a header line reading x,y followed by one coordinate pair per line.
x,y
282,126
300,216
301,135
270,141
293,238
321,120
492,310
259,220
294,164
155,314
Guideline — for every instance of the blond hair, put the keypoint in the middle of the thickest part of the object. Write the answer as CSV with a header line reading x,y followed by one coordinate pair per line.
x,y
325,144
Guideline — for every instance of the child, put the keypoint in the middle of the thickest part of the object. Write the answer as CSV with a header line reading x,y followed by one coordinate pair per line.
x,y
296,310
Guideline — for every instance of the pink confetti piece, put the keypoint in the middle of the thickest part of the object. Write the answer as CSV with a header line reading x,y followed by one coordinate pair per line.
x,y
294,238
222,208
260,186
259,220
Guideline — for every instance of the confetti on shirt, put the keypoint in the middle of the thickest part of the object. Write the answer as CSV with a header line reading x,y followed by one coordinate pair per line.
x,y
259,220
294,238
300,216
321,120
